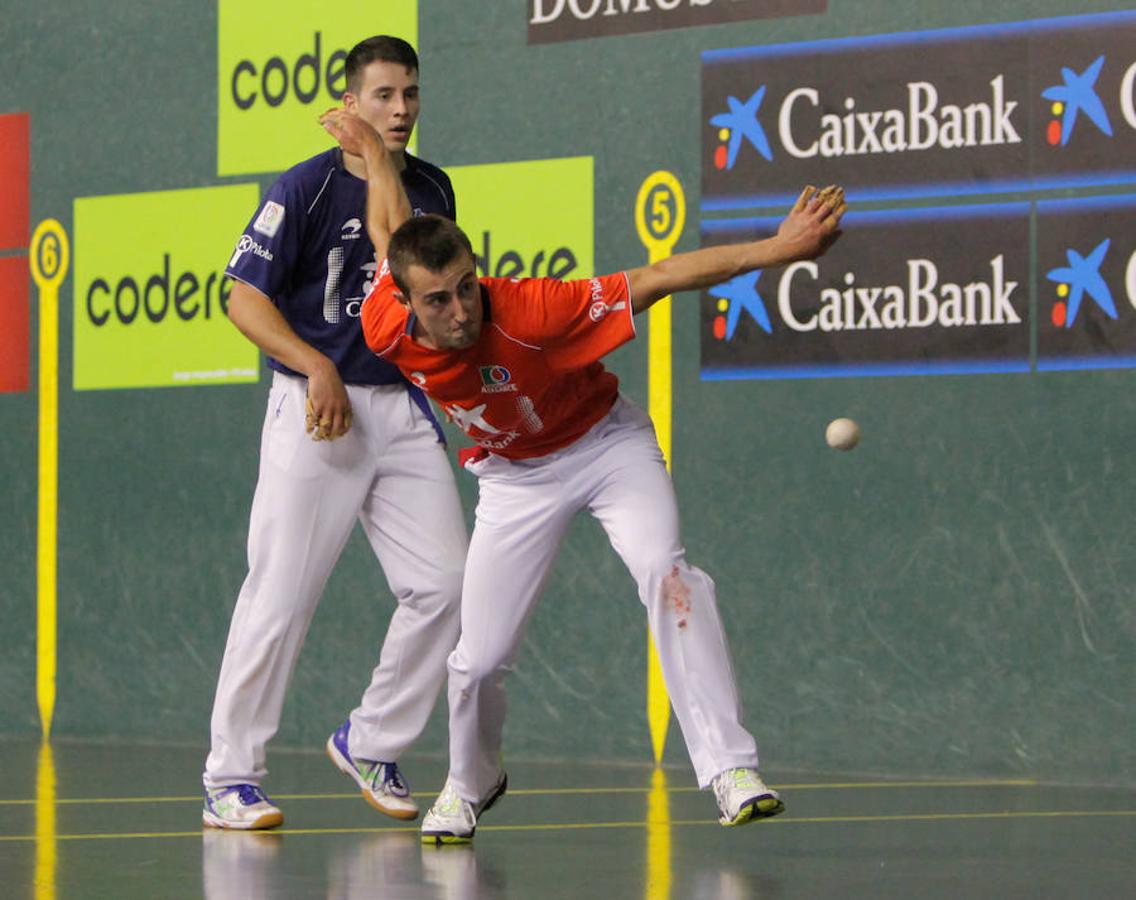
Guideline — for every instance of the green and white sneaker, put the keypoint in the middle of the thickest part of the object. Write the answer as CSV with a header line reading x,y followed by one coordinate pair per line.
x,y
452,820
242,806
382,783
742,797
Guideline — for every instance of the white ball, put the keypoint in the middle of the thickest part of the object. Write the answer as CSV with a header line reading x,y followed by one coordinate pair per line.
x,y
842,434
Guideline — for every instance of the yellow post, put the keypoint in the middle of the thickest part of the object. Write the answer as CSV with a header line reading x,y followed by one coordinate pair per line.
x,y
660,213
49,256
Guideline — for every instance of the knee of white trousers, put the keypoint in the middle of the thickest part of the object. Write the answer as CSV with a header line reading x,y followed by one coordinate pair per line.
x,y
670,583
467,674
441,594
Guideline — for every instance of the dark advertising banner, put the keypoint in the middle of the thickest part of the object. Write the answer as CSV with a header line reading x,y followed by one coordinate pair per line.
x,y
927,291
569,20
1086,283
1042,104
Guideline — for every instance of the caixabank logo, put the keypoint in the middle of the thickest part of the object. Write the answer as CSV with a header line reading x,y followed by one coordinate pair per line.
x,y
529,219
924,291
151,295
14,221
957,111
1086,251
279,67
1087,109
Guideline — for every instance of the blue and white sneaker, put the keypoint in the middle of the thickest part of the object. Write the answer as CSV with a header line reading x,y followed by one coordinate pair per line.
x,y
743,797
382,783
242,806
452,820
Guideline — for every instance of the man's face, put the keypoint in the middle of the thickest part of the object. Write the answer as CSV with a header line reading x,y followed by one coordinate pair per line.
x,y
387,101
447,304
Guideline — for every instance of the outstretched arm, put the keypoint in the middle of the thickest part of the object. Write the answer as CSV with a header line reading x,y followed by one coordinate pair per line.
x,y
387,203
808,231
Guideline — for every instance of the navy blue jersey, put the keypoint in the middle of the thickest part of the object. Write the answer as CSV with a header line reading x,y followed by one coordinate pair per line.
x,y
307,250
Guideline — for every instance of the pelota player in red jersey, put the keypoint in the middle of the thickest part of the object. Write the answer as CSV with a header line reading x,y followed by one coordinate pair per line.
x,y
516,364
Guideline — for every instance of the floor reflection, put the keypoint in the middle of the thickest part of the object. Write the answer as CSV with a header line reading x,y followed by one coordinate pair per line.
x,y
45,841
658,880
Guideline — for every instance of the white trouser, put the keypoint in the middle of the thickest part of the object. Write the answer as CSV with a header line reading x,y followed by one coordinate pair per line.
x,y
390,473
616,471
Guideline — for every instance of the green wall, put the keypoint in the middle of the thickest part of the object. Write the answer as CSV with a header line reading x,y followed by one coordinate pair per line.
x,y
954,597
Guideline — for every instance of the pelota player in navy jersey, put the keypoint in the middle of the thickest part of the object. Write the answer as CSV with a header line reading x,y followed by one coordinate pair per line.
x,y
345,438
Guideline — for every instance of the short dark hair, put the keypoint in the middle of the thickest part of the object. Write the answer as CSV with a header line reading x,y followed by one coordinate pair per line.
x,y
430,241
380,48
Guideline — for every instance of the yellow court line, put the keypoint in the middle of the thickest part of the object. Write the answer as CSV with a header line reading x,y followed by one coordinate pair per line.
x,y
552,792
636,824
536,792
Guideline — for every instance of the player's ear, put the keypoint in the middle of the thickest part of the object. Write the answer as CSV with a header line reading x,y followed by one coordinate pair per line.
x,y
350,102
402,298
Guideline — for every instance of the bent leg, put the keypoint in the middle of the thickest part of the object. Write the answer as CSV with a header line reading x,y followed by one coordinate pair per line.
x,y
414,521
635,502
521,518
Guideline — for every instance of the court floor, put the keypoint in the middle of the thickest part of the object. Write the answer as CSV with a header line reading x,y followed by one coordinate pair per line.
x,y
88,821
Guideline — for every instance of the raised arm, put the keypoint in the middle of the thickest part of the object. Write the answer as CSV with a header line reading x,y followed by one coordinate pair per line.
x,y
387,203
808,231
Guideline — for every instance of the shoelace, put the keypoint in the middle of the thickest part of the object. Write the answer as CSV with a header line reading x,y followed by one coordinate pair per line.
x,y
250,794
735,778
449,802
381,773
393,777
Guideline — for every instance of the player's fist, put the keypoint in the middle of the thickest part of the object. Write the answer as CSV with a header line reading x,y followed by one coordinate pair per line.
x,y
351,132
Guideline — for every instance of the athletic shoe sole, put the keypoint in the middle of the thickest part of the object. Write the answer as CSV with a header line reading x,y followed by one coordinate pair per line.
x,y
442,838
347,769
268,820
764,807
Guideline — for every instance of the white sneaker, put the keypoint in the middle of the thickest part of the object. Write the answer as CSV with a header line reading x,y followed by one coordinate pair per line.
x,y
381,782
241,806
742,797
452,820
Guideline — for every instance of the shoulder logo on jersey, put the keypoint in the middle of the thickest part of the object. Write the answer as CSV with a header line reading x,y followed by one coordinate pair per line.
x,y
270,219
350,230
496,380
247,245
600,308
418,378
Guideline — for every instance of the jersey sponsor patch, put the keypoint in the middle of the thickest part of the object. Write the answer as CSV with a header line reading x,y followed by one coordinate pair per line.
x,y
496,380
350,229
247,245
600,307
270,219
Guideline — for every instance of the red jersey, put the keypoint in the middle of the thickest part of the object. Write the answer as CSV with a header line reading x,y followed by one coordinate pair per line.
x,y
532,383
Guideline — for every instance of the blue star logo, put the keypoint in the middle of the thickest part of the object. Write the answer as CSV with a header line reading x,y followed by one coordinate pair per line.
x,y
1078,94
741,292
1083,277
742,123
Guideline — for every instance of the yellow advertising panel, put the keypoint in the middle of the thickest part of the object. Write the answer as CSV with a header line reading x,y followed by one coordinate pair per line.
x,y
280,65
150,291
532,218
